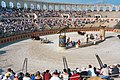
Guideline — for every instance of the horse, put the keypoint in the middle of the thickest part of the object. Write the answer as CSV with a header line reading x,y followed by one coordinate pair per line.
x,y
81,33
118,36
35,37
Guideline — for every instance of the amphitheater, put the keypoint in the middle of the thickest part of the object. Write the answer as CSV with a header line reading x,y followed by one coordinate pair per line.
x,y
17,45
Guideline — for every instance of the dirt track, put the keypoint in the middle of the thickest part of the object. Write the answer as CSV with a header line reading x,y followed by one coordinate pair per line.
x,y
49,56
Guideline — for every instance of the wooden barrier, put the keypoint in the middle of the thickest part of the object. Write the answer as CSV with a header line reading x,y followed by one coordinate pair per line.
x,y
47,32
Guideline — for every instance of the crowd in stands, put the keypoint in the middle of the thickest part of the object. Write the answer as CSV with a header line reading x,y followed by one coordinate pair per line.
x,y
67,74
17,21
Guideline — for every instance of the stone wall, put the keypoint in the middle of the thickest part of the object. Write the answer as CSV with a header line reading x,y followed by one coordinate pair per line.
x,y
28,35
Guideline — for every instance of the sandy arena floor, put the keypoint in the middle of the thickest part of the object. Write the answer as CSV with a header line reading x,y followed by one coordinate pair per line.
x,y
49,56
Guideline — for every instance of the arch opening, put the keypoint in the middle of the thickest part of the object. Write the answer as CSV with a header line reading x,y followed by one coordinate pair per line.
x,y
3,4
32,6
56,7
25,6
113,8
50,7
44,7
101,8
107,8
11,4
18,5
38,7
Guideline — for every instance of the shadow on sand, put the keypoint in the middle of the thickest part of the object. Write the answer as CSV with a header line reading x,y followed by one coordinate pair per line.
x,y
1,71
9,43
109,37
2,52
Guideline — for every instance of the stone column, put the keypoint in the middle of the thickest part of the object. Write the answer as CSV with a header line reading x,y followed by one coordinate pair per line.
x,y
22,3
102,33
69,7
117,8
28,4
53,7
80,7
110,8
104,8
47,6
98,8
7,3
35,5
92,8
0,2
85,7
15,3
41,5
58,6
75,7
64,7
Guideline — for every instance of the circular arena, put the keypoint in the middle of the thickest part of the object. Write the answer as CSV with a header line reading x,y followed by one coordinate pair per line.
x,y
20,21
49,56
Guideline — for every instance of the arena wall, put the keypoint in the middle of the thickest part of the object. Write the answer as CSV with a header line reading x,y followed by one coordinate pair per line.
x,y
28,35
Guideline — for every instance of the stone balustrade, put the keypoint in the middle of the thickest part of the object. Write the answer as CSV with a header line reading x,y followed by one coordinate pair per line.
x,y
35,4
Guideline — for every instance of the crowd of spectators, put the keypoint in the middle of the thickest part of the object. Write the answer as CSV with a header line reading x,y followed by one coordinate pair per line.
x,y
67,74
17,21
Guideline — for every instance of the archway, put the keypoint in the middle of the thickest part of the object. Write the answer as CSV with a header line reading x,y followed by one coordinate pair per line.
x,y
67,8
25,5
119,8
61,7
83,8
44,7
78,8
56,7
73,8
107,8
18,5
50,7
38,7
113,8
11,4
95,8
101,8
31,6
3,4
89,8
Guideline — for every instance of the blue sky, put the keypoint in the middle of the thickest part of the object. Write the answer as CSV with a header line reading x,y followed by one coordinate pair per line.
x,y
115,2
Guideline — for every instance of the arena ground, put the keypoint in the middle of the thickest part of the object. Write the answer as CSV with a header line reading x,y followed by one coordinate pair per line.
x,y
49,56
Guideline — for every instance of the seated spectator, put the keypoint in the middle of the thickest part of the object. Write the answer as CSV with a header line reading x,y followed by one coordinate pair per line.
x,y
91,36
26,77
47,75
7,77
84,72
91,71
55,76
115,71
105,72
75,76
32,77
16,77
20,76
1,77
38,76
65,75
10,71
